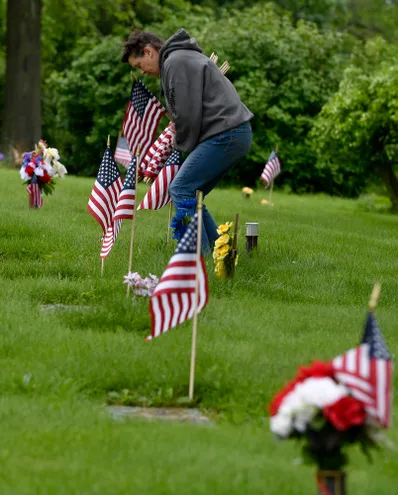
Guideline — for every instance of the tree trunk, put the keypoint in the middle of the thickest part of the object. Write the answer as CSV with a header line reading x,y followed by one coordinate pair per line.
x,y
22,106
387,174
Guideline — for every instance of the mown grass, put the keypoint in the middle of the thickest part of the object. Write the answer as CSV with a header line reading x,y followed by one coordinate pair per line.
x,y
302,297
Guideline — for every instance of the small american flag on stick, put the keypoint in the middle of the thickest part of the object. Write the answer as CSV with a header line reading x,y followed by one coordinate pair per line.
x,y
367,372
158,194
142,117
122,152
174,299
158,153
124,209
272,169
34,191
105,193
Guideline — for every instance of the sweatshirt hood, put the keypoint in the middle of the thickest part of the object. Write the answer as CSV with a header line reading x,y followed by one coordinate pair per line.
x,y
180,40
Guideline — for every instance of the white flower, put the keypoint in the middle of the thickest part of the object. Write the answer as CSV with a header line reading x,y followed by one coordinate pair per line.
x,y
320,392
301,405
50,154
281,425
48,168
39,171
60,170
23,174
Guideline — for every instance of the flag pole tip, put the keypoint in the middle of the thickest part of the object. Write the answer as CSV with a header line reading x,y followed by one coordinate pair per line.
x,y
109,141
374,298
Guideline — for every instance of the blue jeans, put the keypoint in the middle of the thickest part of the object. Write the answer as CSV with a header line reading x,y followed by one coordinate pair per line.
x,y
204,167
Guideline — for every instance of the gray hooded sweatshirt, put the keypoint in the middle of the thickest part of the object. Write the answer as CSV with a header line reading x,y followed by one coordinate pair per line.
x,y
200,99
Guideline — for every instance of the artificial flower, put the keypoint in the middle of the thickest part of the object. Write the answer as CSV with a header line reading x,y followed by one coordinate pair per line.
x,y
224,239
345,413
317,369
141,287
247,190
43,163
180,221
304,402
224,228
222,251
264,202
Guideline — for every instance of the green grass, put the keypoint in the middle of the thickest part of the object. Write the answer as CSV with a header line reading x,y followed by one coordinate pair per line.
x,y
302,297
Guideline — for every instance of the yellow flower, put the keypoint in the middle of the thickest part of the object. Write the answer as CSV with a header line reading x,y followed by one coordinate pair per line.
x,y
264,202
224,239
224,228
221,252
220,270
247,190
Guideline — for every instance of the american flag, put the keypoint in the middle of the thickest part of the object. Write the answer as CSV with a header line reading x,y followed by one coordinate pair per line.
x,y
158,153
158,194
33,189
122,152
142,117
174,298
272,169
124,209
367,372
105,193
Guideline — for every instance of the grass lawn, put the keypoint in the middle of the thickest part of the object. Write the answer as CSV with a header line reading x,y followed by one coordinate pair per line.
x,y
302,297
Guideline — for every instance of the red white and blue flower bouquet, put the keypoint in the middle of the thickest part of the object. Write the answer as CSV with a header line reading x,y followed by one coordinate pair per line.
x,y
39,168
331,405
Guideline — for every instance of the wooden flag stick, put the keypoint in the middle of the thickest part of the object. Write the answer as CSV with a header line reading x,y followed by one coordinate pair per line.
x,y
102,266
374,298
195,314
170,217
270,193
137,164
235,244
272,183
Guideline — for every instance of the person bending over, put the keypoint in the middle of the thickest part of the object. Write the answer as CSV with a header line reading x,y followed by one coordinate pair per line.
x,y
211,123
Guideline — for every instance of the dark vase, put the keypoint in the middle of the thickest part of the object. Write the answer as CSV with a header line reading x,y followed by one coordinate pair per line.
x,y
331,482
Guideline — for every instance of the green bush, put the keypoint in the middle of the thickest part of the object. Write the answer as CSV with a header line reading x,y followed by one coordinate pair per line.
x,y
285,74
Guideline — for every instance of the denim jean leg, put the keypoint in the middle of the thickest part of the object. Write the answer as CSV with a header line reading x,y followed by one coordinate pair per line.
x,y
210,227
205,166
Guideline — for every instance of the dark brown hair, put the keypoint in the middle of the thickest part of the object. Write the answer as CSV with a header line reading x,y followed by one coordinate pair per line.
x,y
137,41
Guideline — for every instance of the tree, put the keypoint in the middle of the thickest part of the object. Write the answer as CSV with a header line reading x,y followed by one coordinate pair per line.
x,y
284,74
22,106
357,131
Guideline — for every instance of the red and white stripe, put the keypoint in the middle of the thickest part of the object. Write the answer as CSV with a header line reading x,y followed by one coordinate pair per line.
x,y
102,202
36,198
158,153
122,152
158,194
125,205
173,300
368,379
271,170
139,131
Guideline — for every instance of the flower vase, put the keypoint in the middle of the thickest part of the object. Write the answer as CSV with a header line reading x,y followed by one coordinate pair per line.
x,y
331,482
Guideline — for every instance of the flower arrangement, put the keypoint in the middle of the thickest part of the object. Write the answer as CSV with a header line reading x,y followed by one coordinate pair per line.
x,y
222,254
141,286
322,412
41,166
180,221
247,192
